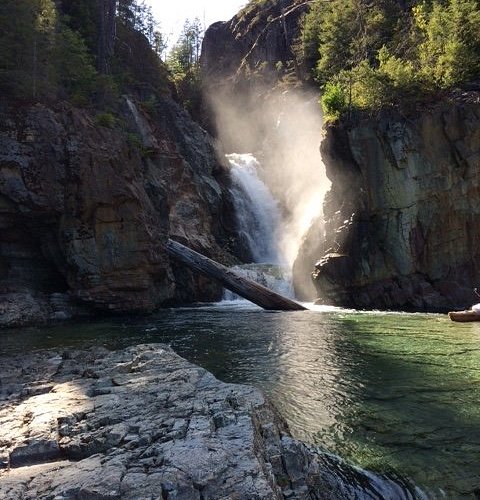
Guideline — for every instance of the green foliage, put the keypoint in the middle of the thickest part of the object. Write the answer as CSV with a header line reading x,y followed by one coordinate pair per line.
x,y
81,16
137,15
184,64
149,105
380,55
334,100
136,65
48,51
449,52
185,54
27,29
345,32
106,119
136,142
159,44
310,35
73,63
383,84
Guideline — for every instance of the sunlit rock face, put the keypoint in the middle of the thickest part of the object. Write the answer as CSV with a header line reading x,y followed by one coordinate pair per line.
x,y
249,47
85,210
242,60
403,213
143,423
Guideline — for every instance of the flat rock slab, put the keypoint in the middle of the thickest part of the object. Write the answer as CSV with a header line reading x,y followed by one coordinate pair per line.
x,y
143,423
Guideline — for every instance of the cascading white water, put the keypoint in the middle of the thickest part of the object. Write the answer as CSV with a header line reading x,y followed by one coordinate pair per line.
x,y
274,277
259,221
258,214
287,126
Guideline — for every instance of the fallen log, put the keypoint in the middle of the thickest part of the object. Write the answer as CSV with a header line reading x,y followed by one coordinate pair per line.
x,y
246,288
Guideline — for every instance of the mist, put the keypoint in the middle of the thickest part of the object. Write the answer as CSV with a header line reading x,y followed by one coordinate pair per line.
x,y
284,131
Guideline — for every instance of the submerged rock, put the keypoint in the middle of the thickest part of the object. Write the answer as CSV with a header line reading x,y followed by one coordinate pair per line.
x,y
144,423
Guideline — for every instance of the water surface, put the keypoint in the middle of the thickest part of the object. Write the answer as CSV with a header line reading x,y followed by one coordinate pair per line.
x,y
386,391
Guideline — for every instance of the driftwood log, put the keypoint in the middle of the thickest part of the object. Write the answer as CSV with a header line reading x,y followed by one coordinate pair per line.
x,y
235,282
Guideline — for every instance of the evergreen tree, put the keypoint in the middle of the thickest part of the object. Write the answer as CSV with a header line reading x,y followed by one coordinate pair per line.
x,y
381,53
74,64
27,29
184,63
160,44
106,33
138,16
82,17
185,54
449,35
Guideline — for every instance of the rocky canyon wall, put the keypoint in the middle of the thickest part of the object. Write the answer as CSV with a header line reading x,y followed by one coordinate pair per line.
x,y
403,213
243,61
402,217
85,210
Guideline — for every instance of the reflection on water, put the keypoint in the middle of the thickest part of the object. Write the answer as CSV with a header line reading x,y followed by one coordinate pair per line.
x,y
389,392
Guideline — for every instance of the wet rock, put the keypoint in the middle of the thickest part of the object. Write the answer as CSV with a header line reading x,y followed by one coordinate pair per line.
x,y
171,430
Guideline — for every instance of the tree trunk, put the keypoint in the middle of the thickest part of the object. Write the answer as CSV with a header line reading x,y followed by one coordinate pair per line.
x,y
106,33
244,287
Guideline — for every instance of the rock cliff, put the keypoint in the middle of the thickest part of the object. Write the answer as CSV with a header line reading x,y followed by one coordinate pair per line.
x,y
242,61
257,44
402,216
85,209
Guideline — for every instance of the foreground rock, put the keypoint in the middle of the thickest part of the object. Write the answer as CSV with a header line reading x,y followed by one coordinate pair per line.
x,y
143,423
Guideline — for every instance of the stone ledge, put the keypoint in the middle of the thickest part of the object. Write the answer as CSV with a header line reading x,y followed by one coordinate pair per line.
x,y
143,423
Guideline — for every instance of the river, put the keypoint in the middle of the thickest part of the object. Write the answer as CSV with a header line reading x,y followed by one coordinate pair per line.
x,y
389,392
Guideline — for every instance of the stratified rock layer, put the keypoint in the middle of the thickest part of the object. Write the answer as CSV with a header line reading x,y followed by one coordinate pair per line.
x,y
403,214
85,209
144,423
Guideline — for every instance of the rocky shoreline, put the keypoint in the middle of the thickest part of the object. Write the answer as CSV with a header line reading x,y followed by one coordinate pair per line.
x,y
144,423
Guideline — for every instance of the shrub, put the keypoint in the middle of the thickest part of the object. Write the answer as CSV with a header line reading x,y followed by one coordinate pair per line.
x,y
106,120
334,100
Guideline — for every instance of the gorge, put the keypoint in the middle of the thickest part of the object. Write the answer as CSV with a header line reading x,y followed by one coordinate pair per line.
x,y
87,233
369,211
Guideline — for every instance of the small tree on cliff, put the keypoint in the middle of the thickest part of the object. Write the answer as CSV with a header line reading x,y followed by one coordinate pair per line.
x,y
184,64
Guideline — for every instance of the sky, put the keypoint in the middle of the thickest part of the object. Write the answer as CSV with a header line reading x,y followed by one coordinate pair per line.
x,y
172,13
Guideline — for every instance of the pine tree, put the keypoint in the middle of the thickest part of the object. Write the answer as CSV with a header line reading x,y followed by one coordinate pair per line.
x,y
184,63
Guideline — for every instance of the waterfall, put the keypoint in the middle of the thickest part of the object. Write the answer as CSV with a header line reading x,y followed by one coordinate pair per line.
x,y
258,214
141,126
259,222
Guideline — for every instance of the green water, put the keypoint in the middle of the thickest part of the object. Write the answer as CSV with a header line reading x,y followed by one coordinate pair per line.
x,y
388,392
